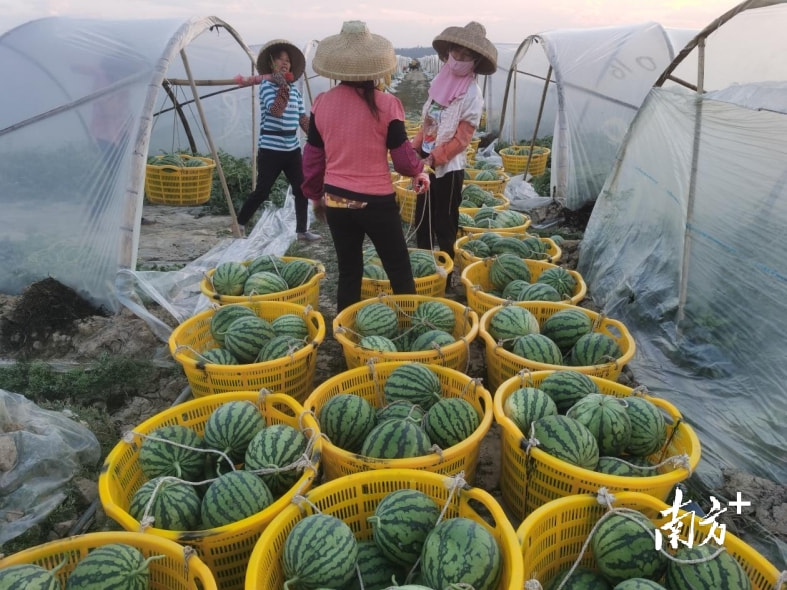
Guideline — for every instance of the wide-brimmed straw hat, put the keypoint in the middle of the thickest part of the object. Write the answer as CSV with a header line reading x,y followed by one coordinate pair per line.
x,y
354,55
297,59
473,37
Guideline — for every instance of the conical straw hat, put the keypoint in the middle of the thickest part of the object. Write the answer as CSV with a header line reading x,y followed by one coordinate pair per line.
x,y
297,59
354,55
473,37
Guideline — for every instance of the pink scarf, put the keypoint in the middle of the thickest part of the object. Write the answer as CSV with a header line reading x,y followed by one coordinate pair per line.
x,y
451,81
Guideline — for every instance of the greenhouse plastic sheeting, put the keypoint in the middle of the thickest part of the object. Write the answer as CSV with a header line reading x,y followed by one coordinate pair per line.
x,y
702,283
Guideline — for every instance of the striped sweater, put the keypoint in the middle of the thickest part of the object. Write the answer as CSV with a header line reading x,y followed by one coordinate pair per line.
x,y
284,127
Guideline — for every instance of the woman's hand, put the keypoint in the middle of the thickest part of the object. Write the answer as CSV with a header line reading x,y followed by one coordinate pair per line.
x,y
319,209
421,183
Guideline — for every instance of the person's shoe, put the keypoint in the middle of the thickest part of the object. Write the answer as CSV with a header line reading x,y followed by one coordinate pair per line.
x,y
307,236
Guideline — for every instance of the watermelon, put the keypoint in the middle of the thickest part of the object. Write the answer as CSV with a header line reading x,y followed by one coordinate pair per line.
x,y
537,348
625,466
396,439
400,409
291,324
581,578
722,572
506,268
525,405
216,356
279,347
277,447
432,340
266,263
28,576
232,497
511,321
173,450
567,387
229,278
173,504
246,336
376,570
298,272
115,565
422,263
319,551
624,547
605,416
639,584
648,427
231,426
476,248
378,343
594,348
346,419
539,292
461,551
376,319
450,421
264,283
400,523
566,326
413,382
224,316
559,278
567,439
514,289
374,271
433,315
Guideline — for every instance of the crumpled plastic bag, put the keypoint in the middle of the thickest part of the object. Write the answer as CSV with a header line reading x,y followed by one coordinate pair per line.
x,y
40,451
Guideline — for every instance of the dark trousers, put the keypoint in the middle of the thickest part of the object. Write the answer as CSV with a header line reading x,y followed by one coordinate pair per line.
x,y
437,212
381,222
270,163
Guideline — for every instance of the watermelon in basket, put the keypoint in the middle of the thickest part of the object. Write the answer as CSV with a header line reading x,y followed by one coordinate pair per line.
x,y
430,273
477,246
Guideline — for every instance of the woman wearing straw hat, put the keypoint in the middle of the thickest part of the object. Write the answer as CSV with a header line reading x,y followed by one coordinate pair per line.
x,y
450,117
282,112
352,129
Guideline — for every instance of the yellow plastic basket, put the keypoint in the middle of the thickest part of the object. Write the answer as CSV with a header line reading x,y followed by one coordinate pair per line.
x,y
175,185
368,382
354,498
406,198
529,480
503,204
306,294
454,355
475,279
502,365
463,258
552,536
225,550
293,375
515,159
517,230
180,568
432,285
493,186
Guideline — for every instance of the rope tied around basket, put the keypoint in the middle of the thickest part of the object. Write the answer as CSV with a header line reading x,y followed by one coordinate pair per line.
x,y
533,584
379,391
531,441
188,553
525,372
147,520
781,580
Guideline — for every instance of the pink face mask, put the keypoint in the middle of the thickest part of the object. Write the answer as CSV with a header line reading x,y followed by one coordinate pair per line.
x,y
459,68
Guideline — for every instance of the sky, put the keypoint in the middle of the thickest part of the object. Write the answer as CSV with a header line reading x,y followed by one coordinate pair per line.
x,y
406,23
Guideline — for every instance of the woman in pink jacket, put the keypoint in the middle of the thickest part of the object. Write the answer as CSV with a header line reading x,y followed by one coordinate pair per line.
x,y
352,128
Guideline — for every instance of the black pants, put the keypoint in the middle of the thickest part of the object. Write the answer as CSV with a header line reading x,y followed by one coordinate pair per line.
x,y
270,163
381,222
437,212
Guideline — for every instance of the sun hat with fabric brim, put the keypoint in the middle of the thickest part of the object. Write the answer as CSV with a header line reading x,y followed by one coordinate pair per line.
x,y
473,37
354,55
272,48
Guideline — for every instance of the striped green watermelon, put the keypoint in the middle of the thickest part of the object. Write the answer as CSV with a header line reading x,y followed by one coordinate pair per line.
x,y
432,340
581,578
489,238
280,346
526,405
567,387
566,326
222,318
722,572
320,551
400,409
559,278
277,447
28,576
648,427
346,419
476,248
116,565
465,220
537,248
594,348
461,551
376,319
626,466
639,584
216,356
378,343
374,271
433,315
396,439
511,321
567,439
506,268
376,570
298,272
173,450
246,336
510,218
229,278
538,348
450,421
232,497
540,292
174,505
291,324
413,382
231,426
513,245
624,547
400,523
264,283
514,289
423,263
266,263
605,416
